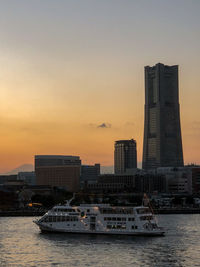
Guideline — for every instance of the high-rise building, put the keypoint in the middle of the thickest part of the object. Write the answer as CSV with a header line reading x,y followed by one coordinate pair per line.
x,y
125,156
162,145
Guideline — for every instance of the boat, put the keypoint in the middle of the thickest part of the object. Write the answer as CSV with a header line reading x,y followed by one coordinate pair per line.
x,y
100,219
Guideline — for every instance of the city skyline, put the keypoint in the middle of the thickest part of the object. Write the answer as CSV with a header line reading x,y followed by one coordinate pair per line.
x,y
72,79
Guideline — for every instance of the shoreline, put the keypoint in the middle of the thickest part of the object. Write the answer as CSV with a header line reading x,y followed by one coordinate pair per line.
x,y
156,211
21,213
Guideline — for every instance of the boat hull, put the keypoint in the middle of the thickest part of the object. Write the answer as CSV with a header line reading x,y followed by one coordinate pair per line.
x,y
47,229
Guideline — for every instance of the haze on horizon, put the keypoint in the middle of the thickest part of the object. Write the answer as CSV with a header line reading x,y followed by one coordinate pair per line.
x,y
72,75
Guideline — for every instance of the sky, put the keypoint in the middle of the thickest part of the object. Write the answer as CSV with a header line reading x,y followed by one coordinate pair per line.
x,y
72,75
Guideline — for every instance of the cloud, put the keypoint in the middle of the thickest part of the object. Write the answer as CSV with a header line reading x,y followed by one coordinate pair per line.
x,y
104,125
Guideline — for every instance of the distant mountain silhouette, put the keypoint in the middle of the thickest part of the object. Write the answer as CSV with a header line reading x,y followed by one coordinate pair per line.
x,y
30,168
22,168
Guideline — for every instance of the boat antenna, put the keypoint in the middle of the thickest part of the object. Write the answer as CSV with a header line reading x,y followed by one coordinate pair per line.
x,y
70,200
146,202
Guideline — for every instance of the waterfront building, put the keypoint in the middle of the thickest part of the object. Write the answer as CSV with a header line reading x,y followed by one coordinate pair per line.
x,y
162,144
179,179
125,156
56,160
196,179
150,183
6,178
112,183
59,171
28,177
119,183
195,170
89,173
8,199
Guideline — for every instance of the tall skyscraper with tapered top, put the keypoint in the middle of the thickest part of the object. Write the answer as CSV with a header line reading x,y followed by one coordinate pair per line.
x,y
162,144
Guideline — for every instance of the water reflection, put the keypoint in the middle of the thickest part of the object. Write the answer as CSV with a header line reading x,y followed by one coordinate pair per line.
x,y
94,238
22,244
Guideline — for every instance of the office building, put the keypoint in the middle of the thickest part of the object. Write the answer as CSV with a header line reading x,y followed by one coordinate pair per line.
x,y
56,160
28,177
179,179
125,156
6,178
162,146
89,173
195,170
60,171
119,183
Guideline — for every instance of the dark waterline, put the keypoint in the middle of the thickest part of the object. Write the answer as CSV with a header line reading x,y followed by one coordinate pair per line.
x,y
22,244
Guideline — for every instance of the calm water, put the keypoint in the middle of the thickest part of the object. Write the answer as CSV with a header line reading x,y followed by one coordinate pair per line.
x,y
22,244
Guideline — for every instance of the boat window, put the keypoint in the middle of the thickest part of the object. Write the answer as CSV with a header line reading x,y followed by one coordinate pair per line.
x,y
63,218
116,210
154,225
92,219
143,210
66,210
144,218
134,227
116,226
119,219
131,219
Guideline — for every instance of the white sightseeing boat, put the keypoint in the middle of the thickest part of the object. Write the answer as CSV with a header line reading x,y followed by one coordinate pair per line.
x,y
100,219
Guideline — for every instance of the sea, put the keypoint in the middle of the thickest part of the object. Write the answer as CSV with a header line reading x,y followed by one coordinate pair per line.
x,y
22,244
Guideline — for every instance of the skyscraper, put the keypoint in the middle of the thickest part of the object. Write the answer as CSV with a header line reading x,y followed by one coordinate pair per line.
x,y
125,156
162,144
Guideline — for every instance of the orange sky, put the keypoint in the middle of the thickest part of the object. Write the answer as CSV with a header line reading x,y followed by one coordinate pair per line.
x,y
68,68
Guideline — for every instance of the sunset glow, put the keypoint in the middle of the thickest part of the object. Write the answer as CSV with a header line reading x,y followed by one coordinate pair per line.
x,y
72,75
